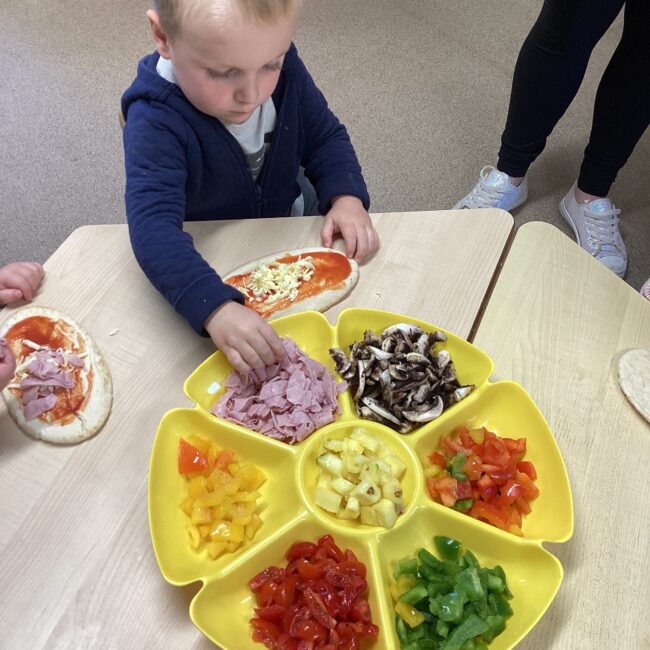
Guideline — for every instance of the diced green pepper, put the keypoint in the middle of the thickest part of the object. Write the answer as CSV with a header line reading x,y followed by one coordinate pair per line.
x,y
469,582
414,595
450,606
448,548
495,625
471,627
408,566
402,632
463,505
494,583
442,628
469,560
429,559
456,466
498,571
499,605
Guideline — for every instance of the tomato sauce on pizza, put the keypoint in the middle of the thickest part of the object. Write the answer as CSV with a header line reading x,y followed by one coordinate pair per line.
x,y
46,332
330,272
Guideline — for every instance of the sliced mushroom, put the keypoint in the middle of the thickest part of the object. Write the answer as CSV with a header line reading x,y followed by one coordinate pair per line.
x,y
434,412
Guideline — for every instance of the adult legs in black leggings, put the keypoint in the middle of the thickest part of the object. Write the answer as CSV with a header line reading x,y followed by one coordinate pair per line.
x,y
622,108
548,73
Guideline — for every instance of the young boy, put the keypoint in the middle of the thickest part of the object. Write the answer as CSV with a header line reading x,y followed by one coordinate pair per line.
x,y
18,281
218,122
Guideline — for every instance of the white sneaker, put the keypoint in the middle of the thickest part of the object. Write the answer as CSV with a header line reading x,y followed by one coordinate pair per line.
x,y
595,225
494,190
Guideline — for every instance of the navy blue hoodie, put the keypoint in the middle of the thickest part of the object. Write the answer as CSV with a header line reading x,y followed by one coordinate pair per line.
x,y
183,165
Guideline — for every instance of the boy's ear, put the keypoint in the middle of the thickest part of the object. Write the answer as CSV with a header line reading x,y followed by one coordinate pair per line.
x,y
159,36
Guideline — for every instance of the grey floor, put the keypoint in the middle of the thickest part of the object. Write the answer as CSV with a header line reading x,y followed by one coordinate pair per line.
x,y
422,86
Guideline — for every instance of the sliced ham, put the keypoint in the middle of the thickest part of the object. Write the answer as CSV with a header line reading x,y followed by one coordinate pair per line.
x,y
39,406
287,400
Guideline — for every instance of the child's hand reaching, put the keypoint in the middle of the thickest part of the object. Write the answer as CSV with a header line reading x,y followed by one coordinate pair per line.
x,y
19,281
348,216
244,337
7,364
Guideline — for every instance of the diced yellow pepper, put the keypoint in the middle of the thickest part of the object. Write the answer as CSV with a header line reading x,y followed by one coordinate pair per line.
x,y
186,505
194,535
241,514
253,527
244,497
215,549
201,515
404,583
477,435
198,486
409,614
200,442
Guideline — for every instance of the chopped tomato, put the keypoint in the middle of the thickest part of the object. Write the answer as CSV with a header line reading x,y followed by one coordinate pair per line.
x,y
190,459
528,468
499,483
318,601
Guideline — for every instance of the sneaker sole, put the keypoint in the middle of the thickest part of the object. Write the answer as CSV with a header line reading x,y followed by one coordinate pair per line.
x,y
567,217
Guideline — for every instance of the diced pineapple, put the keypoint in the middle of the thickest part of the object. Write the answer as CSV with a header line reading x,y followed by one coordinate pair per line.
x,y
324,480
368,516
204,530
397,467
334,445
186,505
385,511
367,492
342,486
352,446
331,463
367,440
351,509
246,496
232,546
327,499
353,462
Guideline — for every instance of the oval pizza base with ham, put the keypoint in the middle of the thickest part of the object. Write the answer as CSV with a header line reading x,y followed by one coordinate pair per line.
x,y
64,369
334,277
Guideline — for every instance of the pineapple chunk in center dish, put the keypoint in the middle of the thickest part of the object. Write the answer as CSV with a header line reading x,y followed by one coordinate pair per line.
x,y
360,479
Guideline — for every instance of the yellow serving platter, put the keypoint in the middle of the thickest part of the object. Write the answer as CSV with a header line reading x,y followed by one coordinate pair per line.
x,y
224,605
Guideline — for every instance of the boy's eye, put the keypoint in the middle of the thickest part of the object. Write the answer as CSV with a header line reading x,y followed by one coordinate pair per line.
x,y
221,75
273,67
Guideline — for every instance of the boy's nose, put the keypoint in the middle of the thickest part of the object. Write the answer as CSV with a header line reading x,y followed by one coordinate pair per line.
x,y
247,93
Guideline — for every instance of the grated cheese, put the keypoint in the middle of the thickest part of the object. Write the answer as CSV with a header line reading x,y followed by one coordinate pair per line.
x,y
275,281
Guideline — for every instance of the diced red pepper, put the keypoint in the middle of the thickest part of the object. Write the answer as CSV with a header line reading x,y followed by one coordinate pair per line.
x,y
190,459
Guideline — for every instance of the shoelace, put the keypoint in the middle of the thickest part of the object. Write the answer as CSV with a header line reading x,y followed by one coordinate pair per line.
x,y
602,229
484,196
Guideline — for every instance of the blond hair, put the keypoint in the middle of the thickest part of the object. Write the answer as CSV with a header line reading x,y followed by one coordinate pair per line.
x,y
172,13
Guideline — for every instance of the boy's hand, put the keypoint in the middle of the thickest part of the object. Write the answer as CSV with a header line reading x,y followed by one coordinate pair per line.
x,y
19,281
7,364
244,337
348,216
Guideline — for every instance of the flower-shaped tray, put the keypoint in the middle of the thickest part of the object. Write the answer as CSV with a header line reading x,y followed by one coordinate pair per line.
x,y
224,604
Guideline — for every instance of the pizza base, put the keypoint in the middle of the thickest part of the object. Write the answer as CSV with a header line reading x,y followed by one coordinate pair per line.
x,y
634,379
320,302
97,408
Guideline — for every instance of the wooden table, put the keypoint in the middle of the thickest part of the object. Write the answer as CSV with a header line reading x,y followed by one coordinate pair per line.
x,y
557,322
77,569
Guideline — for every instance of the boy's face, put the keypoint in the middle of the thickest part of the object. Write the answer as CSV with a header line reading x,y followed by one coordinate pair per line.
x,y
228,67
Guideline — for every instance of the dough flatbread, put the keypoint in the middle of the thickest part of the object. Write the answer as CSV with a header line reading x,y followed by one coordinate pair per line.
x,y
93,389
334,278
634,378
